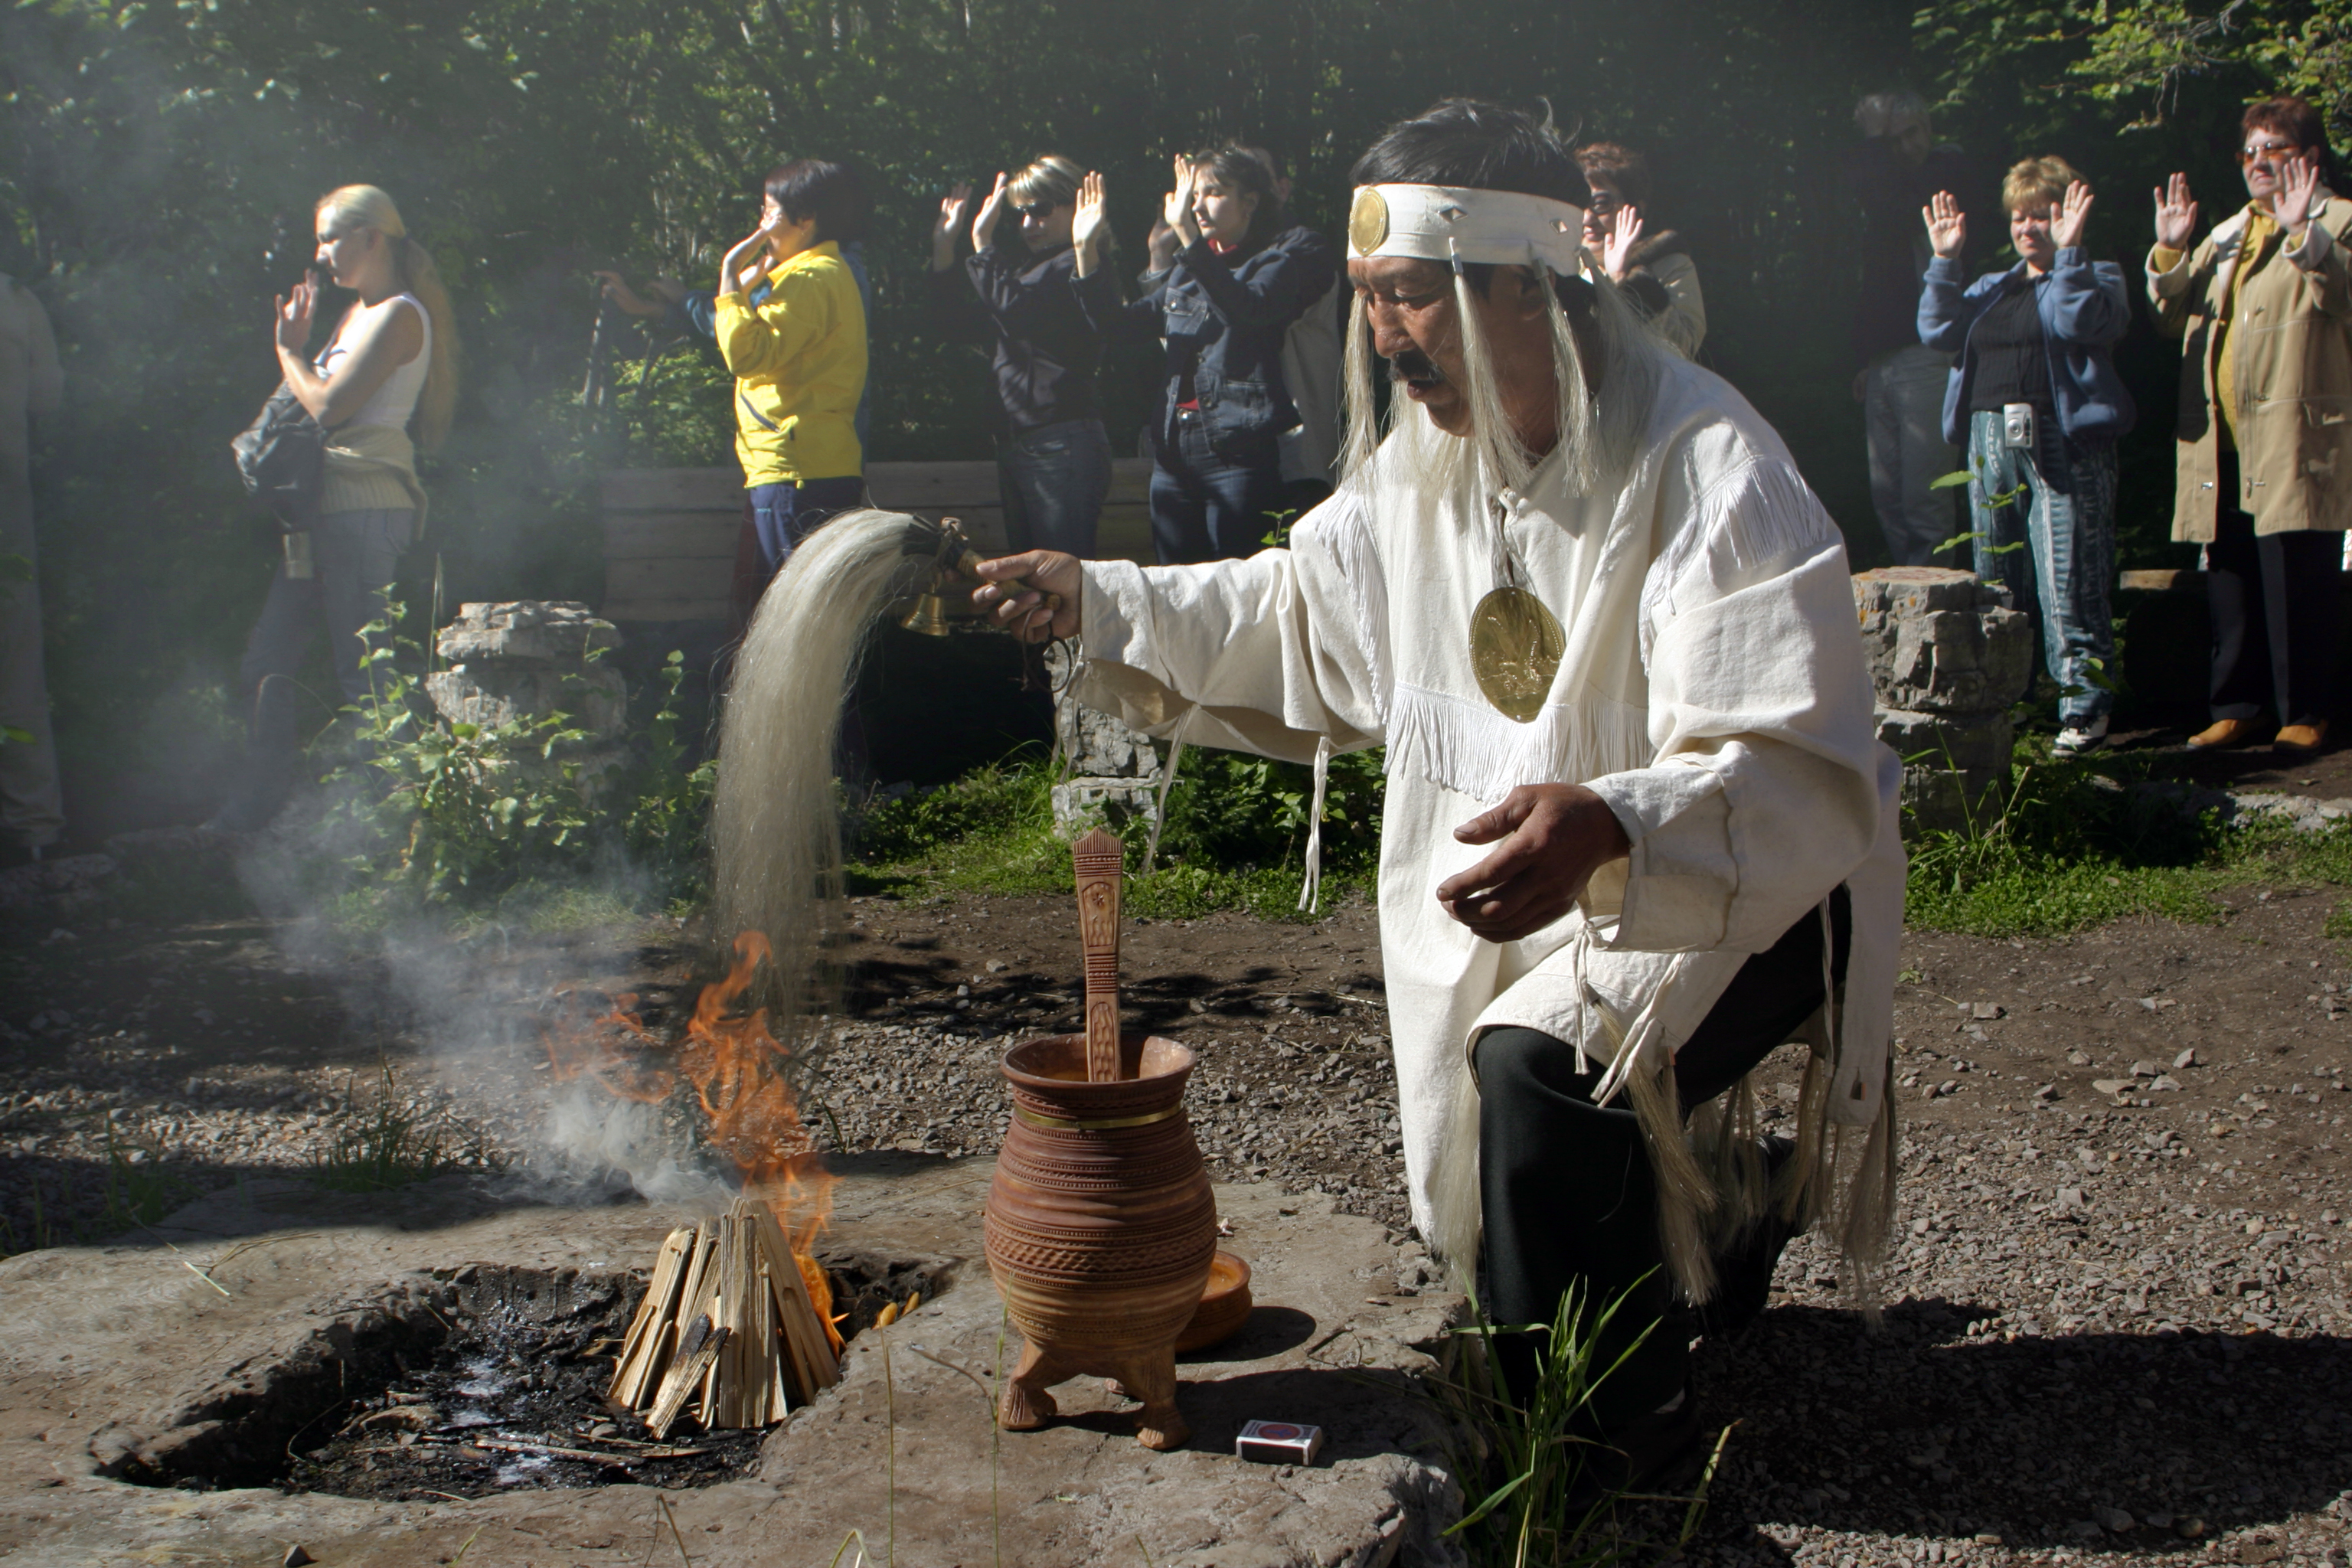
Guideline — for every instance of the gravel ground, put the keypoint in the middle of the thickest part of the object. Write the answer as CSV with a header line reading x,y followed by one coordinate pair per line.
x,y
2118,1325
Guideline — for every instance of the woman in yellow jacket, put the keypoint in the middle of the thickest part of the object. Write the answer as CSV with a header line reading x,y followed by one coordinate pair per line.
x,y
796,342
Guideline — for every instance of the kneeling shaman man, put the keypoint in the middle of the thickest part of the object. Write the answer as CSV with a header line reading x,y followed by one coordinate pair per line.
x,y
1638,828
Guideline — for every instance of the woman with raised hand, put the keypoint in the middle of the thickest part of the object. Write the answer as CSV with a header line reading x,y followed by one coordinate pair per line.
x,y
1222,309
798,353
1656,272
385,387
2263,308
2034,398
1053,455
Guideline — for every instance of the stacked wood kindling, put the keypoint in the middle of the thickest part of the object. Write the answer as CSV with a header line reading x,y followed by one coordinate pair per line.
x,y
728,1325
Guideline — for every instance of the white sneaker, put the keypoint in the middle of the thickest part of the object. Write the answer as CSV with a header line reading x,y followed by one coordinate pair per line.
x,y
2074,739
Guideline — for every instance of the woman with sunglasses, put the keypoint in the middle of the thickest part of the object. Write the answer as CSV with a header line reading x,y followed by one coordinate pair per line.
x,y
1222,310
1654,269
2263,308
1053,457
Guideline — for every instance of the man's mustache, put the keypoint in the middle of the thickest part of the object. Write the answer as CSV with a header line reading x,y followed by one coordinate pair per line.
x,y
1414,365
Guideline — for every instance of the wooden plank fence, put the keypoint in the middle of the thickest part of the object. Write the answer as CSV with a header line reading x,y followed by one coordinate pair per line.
x,y
670,533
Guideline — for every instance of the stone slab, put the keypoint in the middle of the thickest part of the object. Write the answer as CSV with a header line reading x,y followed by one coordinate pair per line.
x,y
114,1347
1941,641
1972,743
543,632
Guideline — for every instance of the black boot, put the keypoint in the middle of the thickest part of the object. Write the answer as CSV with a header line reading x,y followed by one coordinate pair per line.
x,y
1743,1275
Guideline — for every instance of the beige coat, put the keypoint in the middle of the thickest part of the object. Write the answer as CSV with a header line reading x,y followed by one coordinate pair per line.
x,y
2291,348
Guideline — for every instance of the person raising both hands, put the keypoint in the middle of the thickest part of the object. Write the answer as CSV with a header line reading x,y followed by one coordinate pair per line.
x,y
2263,476
2034,398
1053,455
1221,311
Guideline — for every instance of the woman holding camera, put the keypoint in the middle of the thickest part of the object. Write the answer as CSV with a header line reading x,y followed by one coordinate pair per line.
x,y
1222,310
2034,398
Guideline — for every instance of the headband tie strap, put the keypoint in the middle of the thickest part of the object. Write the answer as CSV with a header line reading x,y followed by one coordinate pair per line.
x,y
1453,225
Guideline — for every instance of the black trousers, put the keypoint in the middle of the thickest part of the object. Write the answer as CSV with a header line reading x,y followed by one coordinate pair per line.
x,y
2274,601
1569,1198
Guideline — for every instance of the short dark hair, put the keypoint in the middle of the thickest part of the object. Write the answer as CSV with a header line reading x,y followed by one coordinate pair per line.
x,y
832,193
1477,145
1481,146
2288,116
1240,169
1624,167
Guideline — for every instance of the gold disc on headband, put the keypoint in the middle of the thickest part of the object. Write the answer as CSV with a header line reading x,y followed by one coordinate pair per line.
x,y
1516,645
1368,220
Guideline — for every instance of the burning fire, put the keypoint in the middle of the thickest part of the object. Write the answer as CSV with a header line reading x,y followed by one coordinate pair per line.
x,y
737,1069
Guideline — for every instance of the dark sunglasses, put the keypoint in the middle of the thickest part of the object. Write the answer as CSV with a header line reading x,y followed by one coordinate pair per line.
x,y
1041,210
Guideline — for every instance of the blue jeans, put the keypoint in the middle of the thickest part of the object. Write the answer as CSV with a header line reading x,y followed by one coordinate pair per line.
x,y
784,515
1053,480
356,555
2062,507
1207,508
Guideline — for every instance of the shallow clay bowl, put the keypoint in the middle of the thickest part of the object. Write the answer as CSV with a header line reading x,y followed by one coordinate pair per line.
x,y
1225,1305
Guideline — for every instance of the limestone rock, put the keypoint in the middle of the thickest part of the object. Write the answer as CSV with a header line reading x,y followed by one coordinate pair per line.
x,y
545,632
1099,746
510,663
1120,804
594,698
1941,641
1115,771
1972,743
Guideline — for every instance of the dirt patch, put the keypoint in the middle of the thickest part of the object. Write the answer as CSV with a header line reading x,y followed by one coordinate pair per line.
x,y
2082,1243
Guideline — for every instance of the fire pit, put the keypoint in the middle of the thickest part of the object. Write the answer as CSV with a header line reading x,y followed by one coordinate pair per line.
x,y
495,1381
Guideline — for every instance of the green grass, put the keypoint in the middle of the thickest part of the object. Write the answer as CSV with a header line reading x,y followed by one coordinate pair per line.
x,y
1235,839
389,1149
2076,844
2073,843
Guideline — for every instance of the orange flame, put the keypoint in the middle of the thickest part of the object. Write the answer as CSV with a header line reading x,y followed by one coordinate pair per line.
x,y
735,1067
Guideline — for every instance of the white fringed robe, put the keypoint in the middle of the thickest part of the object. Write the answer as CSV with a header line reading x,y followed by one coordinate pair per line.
x,y
1714,693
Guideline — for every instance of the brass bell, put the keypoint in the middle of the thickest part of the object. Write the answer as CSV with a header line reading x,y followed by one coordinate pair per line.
x,y
929,618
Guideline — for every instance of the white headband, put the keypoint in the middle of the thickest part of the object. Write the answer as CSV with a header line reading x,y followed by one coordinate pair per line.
x,y
1445,222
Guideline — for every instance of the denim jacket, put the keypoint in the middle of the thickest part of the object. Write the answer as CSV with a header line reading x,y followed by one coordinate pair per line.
x,y
1224,325
2084,309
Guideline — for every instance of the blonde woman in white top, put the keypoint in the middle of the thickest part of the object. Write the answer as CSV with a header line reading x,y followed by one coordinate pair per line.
x,y
384,387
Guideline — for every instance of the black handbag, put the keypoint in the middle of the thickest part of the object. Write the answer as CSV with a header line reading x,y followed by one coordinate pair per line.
x,y
282,457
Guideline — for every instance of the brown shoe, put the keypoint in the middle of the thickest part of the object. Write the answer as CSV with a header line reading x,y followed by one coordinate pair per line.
x,y
2222,734
2302,739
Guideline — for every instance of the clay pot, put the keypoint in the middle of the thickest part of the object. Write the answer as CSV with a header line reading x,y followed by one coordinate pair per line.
x,y
1100,1226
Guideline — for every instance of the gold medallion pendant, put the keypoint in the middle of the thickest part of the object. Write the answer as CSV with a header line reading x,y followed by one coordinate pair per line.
x,y
1516,645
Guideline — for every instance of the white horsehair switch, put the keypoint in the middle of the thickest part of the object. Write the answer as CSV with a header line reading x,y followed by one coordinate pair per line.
x,y
1279,1442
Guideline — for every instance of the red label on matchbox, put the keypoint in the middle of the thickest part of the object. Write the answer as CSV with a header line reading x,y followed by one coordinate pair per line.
x,y
1279,1442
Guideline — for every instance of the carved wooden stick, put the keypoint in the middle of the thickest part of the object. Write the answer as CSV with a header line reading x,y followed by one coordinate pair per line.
x,y
1099,859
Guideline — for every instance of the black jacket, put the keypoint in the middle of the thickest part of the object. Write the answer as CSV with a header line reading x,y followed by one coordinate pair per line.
x,y
1223,324
1048,348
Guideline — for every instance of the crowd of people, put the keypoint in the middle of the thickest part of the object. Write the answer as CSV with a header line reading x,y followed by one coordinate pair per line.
x,y
2008,377
2012,377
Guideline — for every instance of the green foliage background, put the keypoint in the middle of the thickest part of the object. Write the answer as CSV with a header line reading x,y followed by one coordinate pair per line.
x,y
158,163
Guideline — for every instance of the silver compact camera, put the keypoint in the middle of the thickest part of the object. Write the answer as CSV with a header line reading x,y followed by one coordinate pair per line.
x,y
2016,425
